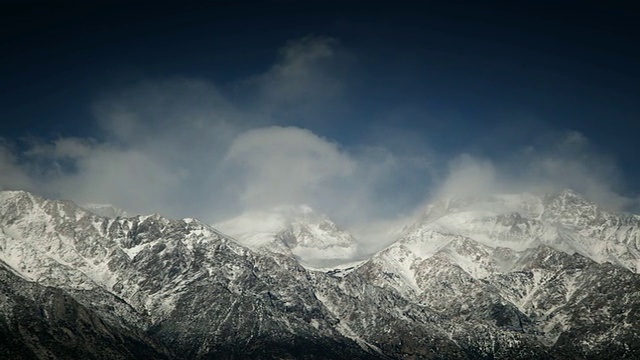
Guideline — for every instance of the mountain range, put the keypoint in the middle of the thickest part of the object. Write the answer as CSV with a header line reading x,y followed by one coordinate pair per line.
x,y
516,276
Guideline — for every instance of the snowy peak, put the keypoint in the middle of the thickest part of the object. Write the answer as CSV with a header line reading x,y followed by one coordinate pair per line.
x,y
570,209
40,237
460,210
322,234
566,222
293,230
144,260
490,235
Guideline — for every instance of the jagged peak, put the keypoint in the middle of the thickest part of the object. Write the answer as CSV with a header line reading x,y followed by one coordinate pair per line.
x,y
311,237
17,194
12,193
568,196
568,192
526,205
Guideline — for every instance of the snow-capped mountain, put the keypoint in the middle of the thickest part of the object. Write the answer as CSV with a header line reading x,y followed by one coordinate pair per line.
x,y
299,231
196,291
535,258
566,221
499,277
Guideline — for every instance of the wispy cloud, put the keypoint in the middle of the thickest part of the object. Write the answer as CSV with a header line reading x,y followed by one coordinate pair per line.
x,y
190,147
287,164
553,161
13,173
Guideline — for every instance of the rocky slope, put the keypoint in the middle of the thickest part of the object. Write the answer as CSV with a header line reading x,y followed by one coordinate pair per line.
x,y
39,322
503,277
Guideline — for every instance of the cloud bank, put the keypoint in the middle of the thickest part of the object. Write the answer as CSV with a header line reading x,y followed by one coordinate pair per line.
x,y
190,147
553,161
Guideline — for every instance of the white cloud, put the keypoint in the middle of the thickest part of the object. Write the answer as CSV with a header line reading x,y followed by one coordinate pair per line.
x,y
469,176
285,165
164,109
138,181
557,161
307,70
61,148
188,147
167,145
305,86
570,160
13,175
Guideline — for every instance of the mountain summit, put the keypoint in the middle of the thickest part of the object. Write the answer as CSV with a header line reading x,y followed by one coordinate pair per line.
x,y
565,221
297,231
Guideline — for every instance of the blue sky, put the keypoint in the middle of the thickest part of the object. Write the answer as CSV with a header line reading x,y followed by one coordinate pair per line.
x,y
365,112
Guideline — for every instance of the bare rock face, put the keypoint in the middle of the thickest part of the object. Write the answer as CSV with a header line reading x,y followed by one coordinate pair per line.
x,y
504,277
38,322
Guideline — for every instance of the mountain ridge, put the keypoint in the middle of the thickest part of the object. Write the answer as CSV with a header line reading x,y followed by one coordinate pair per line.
x,y
185,290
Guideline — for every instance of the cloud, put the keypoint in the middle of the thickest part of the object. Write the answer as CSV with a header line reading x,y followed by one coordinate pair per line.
x,y
308,69
59,149
174,110
570,160
191,147
305,87
13,175
287,165
552,162
469,176
138,180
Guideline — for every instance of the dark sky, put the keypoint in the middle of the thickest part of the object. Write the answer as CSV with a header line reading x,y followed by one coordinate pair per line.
x,y
488,79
